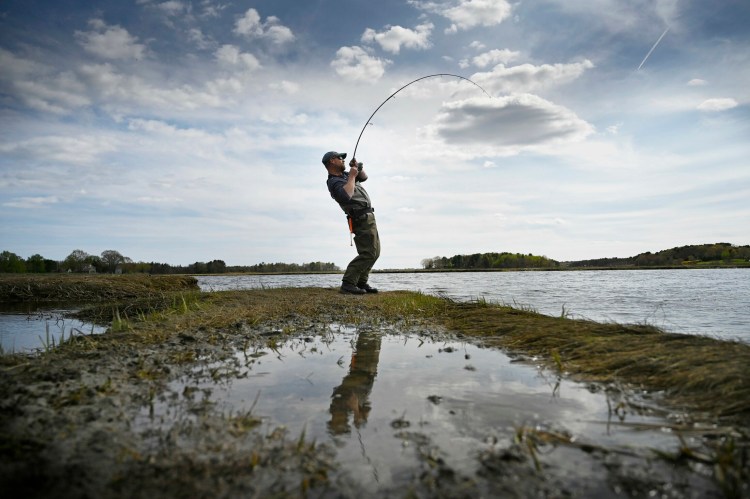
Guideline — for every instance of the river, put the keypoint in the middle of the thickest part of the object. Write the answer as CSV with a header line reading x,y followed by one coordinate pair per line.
x,y
711,302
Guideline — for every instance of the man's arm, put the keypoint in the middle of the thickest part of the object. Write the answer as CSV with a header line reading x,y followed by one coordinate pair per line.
x,y
354,175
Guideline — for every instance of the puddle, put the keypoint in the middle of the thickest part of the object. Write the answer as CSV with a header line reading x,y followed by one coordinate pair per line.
x,y
27,328
389,403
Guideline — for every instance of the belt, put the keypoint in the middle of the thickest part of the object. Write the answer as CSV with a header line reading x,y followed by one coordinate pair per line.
x,y
359,213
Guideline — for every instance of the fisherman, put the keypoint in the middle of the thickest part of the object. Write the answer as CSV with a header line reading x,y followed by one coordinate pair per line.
x,y
346,189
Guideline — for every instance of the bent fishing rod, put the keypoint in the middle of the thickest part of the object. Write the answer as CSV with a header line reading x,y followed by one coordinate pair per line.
x,y
400,89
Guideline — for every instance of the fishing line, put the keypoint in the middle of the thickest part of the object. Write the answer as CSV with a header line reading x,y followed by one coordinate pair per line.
x,y
400,89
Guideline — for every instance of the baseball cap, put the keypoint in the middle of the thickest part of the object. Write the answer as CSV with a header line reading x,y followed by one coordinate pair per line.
x,y
333,154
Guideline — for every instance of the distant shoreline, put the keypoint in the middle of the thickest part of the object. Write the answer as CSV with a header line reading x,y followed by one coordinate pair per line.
x,y
437,271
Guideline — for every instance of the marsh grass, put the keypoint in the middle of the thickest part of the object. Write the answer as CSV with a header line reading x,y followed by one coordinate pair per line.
x,y
697,372
692,372
89,288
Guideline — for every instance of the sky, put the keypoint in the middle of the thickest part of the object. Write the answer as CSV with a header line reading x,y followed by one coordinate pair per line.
x,y
180,131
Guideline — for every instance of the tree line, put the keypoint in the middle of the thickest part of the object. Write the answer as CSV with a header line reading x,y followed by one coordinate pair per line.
x,y
113,262
726,253
502,260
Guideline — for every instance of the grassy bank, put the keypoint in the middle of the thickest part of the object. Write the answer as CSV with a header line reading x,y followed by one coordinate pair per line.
x,y
66,415
82,288
692,372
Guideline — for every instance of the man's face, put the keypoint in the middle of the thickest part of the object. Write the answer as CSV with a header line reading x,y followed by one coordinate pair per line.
x,y
337,163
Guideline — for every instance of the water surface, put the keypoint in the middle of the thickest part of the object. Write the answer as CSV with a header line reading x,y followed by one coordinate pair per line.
x,y
714,302
29,327
388,401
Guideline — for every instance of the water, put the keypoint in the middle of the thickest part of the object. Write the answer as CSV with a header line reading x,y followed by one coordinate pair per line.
x,y
389,401
26,328
713,302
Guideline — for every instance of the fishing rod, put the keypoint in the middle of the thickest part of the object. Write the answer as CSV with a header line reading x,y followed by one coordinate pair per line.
x,y
400,89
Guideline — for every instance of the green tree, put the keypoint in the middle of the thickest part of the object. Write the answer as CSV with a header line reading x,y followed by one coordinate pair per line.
x,y
10,262
36,264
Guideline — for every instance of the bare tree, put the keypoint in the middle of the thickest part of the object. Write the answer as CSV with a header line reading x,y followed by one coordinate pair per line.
x,y
111,259
76,260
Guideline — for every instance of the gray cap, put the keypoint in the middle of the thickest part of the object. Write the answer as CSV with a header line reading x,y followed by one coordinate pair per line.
x,y
333,154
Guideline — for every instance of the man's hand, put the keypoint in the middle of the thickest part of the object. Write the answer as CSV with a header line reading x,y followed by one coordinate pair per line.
x,y
353,164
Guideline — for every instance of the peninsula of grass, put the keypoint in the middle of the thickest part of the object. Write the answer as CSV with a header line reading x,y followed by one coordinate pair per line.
x,y
697,373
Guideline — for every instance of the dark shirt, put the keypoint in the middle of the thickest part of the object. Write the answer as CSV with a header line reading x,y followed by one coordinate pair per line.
x,y
358,200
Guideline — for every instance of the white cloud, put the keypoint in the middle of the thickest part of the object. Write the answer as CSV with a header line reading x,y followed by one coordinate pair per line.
x,y
77,150
123,93
697,82
200,39
527,77
620,16
230,55
476,44
355,64
250,26
32,202
614,129
508,125
287,87
394,37
172,7
467,14
494,57
719,104
110,42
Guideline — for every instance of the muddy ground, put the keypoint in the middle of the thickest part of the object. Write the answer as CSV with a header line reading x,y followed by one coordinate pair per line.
x,y
67,418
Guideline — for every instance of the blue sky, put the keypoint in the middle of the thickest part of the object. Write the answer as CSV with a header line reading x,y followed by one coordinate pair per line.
x,y
181,131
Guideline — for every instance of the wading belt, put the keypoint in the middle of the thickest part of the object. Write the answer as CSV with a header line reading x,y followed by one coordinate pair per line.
x,y
351,216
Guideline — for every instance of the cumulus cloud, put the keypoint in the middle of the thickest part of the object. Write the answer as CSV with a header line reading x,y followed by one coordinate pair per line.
x,y
172,7
251,26
528,77
508,124
110,42
715,105
467,14
394,37
126,93
494,57
231,56
200,39
355,64
287,87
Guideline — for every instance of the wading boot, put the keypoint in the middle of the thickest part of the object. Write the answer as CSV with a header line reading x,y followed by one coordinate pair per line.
x,y
367,288
351,289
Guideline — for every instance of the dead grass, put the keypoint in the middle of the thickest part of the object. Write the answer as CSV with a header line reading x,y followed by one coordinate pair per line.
x,y
88,287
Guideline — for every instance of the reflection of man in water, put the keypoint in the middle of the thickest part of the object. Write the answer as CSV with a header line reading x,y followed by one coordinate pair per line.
x,y
352,395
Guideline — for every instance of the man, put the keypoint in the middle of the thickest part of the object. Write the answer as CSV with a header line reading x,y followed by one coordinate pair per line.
x,y
346,188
